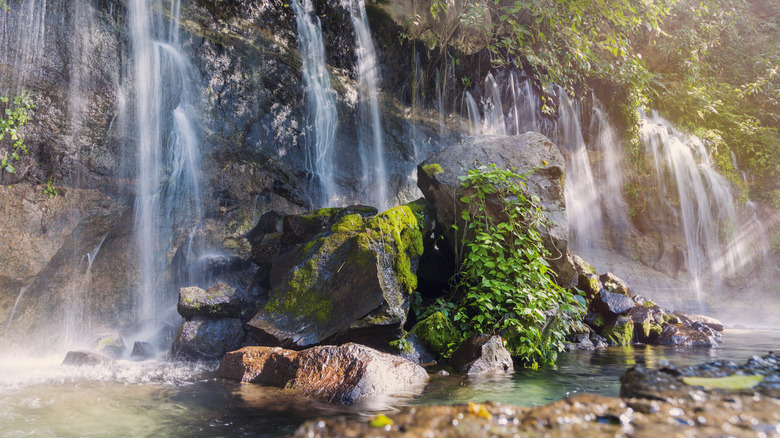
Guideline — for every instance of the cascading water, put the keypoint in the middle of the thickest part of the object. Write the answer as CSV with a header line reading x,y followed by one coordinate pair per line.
x,y
168,164
370,129
706,200
321,116
524,108
582,196
493,123
77,308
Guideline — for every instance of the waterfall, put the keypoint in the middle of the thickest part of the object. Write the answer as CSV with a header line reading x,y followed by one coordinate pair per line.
x,y
370,129
493,123
472,111
168,164
583,207
523,112
22,291
706,199
77,307
321,116
23,39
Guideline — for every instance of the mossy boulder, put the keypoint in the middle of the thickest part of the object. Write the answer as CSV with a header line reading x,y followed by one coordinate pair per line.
x,y
587,278
354,276
221,300
620,331
614,284
110,344
437,333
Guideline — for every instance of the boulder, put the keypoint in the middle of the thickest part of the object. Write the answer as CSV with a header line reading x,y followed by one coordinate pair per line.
x,y
612,304
142,351
482,354
646,327
220,300
437,333
530,152
587,278
81,358
614,284
620,331
355,276
702,319
110,344
413,349
336,374
201,338
691,336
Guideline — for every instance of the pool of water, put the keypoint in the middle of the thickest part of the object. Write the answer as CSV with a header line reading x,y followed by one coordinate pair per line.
x,y
41,398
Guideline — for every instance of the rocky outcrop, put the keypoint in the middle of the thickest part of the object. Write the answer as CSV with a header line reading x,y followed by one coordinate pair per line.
x,y
344,374
221,300
84,358
530,153
482,354
207,338
338,274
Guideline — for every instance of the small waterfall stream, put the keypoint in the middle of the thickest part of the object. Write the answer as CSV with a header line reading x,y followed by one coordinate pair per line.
x,y
168,163
321,117
370,129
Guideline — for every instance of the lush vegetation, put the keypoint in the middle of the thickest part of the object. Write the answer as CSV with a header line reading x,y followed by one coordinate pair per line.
x,y
14,113
505,285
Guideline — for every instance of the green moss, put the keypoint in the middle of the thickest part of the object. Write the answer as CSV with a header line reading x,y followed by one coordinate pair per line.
x,y
398,231
437,333
352,223
108,341
432,169
302,298
620,332
598,321
649,303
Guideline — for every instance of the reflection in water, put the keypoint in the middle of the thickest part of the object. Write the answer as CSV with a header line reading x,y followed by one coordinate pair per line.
x,y
41,398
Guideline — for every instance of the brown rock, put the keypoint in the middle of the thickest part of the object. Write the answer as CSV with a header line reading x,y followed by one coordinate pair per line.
x,y
335,374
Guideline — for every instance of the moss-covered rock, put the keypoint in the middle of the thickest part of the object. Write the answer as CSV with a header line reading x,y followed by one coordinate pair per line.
x,y
619,332
437,333
587,278
355,275
221,300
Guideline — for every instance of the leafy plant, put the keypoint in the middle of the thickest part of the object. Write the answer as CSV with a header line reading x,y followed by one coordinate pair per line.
x,y
13,118
505,285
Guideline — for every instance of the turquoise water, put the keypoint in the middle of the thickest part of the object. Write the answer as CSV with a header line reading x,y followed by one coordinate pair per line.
x,y
41,398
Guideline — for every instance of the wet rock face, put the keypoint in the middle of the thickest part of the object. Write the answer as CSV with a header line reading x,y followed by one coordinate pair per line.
x,y
482,354
82,358
221,300
340,274
527,152
611,303
344,374
207,338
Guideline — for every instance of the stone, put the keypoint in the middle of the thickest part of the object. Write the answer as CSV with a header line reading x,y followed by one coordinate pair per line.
x,y
201,338
646,327
620,331
221,300
335,374
529,152
355,276
612,304
86,358
675,334
142,351
110,344
436,333
703,319
482,354
598,341
415,351
587,278
614,284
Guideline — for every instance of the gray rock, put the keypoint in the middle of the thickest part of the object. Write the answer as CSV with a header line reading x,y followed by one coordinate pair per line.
x,y
110,344
207,338
336,374
527,152
614,284
612,304
142,351
220,300
82,358
482,354
415,351
703,319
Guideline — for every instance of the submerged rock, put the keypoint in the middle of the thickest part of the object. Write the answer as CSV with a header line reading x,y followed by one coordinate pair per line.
x,y
82,357
207,338
482,354
335,374
530,152
355,276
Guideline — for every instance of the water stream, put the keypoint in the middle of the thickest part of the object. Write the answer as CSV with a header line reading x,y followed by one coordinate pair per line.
x,y
321,115
371,135
42,398
168,163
